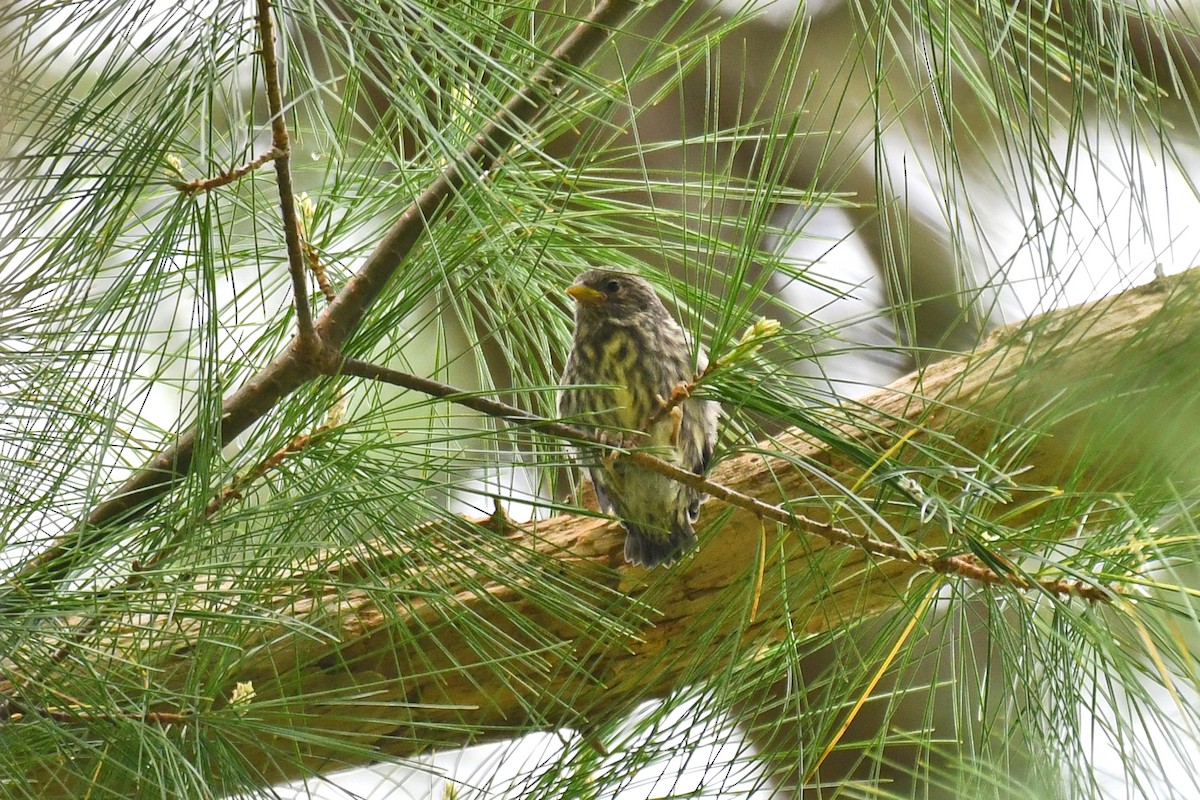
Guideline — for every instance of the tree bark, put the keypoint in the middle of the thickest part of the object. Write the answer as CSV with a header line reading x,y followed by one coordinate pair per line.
x,y
391,675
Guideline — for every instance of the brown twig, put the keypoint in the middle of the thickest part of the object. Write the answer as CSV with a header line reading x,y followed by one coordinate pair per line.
x,y
960,565
283,172
78,712
227,177
752,340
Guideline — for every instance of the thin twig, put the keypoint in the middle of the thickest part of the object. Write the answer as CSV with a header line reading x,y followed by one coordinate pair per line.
x,y
151,717
14,709
752,340
78,712
960,565
283,172
227,177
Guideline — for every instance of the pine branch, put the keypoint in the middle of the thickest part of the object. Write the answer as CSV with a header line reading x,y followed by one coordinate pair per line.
x,y
307,357
427,680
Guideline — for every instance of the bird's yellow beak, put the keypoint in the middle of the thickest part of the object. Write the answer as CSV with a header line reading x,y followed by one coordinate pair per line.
x,y
585,295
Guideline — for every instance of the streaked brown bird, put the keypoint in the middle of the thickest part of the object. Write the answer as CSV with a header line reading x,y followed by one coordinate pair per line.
x,y
627,359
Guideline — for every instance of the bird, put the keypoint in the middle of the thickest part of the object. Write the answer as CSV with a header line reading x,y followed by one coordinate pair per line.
x,y
628,361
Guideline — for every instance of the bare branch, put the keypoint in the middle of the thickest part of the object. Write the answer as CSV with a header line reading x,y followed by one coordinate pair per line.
x,y
283,172
227,177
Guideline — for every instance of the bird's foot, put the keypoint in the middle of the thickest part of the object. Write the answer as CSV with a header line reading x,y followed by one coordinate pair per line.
x,y
499,521
618,439
679,392
673,409
676,424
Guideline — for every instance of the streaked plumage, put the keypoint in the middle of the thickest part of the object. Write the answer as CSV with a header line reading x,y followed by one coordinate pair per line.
x,y
626,338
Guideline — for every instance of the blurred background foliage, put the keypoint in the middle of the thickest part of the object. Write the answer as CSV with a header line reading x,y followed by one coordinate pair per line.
x,y
890,180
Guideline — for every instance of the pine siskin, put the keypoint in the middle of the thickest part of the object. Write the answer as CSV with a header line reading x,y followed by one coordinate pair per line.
x,y
627,358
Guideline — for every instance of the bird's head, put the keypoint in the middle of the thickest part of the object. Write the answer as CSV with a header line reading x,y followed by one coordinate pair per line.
x,y
615,297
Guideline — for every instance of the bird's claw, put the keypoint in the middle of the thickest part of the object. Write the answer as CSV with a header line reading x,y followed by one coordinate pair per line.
x,y
673,409
676,424
679,392
615,439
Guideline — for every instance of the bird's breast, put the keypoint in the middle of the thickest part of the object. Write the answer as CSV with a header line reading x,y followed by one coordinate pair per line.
x,y
621,369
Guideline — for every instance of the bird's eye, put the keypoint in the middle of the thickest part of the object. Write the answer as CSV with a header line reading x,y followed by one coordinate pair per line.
x,y
612,287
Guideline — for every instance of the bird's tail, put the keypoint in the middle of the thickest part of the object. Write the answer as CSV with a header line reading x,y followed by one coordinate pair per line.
x,y
651,548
